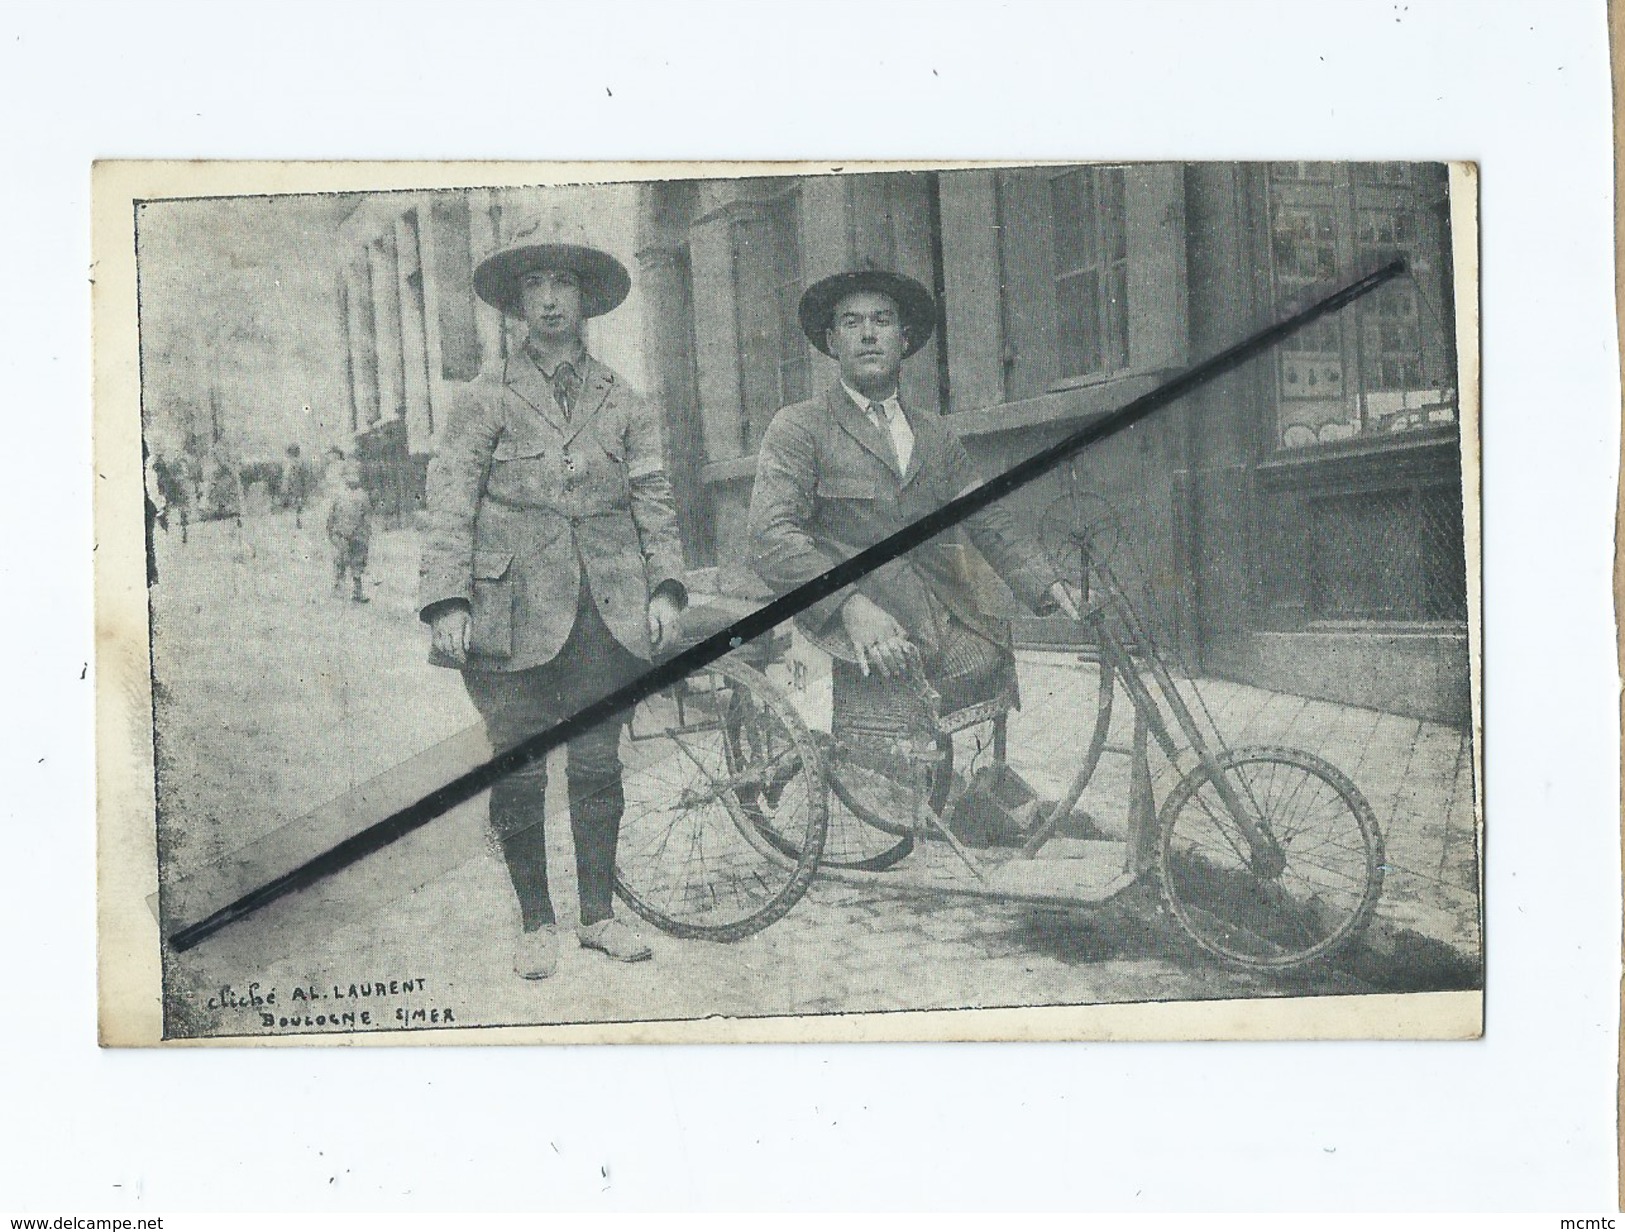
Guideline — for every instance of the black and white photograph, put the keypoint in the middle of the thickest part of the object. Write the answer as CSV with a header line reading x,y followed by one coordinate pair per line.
x,y
1187,717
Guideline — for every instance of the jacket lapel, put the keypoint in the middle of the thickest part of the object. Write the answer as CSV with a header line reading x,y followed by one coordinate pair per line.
x,y
861,428
531,387
921,443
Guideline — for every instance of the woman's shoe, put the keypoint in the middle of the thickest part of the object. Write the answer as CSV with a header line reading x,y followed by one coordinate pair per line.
x,y
536,956
615,939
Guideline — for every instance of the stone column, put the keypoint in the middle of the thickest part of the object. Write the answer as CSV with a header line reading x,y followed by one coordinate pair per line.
x,y
386,317
668,339
409,280
363,345
717,339
482,242
352,411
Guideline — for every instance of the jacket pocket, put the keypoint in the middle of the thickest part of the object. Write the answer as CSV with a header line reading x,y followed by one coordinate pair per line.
x,y
491,632
845,487
512,449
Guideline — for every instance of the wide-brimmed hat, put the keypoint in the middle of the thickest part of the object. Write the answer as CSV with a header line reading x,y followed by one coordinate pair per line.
x,y
914,303
604,280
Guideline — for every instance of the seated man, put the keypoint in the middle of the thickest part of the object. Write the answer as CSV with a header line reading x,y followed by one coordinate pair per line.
x,y
843,470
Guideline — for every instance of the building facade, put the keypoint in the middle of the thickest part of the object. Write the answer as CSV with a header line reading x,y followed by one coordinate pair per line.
x,y
1296,524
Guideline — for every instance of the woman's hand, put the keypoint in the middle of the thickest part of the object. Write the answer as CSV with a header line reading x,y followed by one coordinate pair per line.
x,y
449,631
664,618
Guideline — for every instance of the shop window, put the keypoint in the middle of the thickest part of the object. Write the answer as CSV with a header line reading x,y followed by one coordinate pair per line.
x,y
1364,567
1385,365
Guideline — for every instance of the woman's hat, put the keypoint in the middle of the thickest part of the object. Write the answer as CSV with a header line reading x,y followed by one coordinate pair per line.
x,y
914,303
604,280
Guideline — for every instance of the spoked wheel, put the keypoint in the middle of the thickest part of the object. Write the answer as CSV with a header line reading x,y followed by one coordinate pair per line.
x,y
725,806
875,807
876,789
856,793
1301,905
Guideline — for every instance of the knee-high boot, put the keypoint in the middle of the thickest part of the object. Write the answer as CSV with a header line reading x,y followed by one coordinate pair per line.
x,y
596,806
517,804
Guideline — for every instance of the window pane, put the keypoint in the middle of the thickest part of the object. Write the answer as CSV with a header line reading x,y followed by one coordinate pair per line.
x,y
1359,568
1315,407
785,220
1090,238
1078,313
1305,242
1072,200
1403,390
1117,316
1301,173
756,319
1113,228
1443,565
1384,174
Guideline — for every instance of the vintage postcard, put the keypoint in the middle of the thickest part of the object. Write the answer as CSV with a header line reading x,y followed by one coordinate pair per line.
x,y
400,467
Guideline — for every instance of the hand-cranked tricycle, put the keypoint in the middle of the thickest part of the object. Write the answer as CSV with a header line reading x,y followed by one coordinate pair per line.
x,y
783,760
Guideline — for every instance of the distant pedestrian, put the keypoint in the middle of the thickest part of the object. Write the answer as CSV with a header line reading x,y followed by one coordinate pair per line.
x,y
225,495
349,530
174,491
297,484
329,480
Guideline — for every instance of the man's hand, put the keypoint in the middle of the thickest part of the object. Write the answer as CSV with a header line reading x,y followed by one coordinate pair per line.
x,y
664,615
880,641
1068,600
449,630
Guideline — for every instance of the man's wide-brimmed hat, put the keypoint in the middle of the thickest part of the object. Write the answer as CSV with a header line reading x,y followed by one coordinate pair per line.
x,y
914,304
604,280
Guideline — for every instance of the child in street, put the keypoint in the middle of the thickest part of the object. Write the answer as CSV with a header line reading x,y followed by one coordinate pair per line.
x,y
349,529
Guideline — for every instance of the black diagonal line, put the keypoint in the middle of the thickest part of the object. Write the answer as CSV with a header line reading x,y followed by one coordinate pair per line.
x,y
662,676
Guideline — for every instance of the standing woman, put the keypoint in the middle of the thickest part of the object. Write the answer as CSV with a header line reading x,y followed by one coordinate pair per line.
x,y
552,569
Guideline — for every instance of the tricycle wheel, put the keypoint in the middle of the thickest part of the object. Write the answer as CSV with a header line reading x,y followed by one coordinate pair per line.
x,y
882,798
726,806
849,841
1273,911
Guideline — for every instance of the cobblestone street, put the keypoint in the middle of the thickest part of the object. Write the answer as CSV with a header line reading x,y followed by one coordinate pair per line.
x,y
277,698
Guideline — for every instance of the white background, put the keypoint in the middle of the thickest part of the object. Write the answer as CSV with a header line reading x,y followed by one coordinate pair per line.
x,y
1521,1120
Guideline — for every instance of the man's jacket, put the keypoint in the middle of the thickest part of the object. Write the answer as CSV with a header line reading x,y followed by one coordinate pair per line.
x,y
523,501
827,487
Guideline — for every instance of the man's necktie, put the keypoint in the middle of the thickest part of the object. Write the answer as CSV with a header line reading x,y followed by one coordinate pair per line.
x,y
878,417
566,387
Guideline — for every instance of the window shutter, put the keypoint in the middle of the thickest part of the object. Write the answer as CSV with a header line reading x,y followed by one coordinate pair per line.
x,y
970,266
1155,207
1028,277
757,324
452,275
